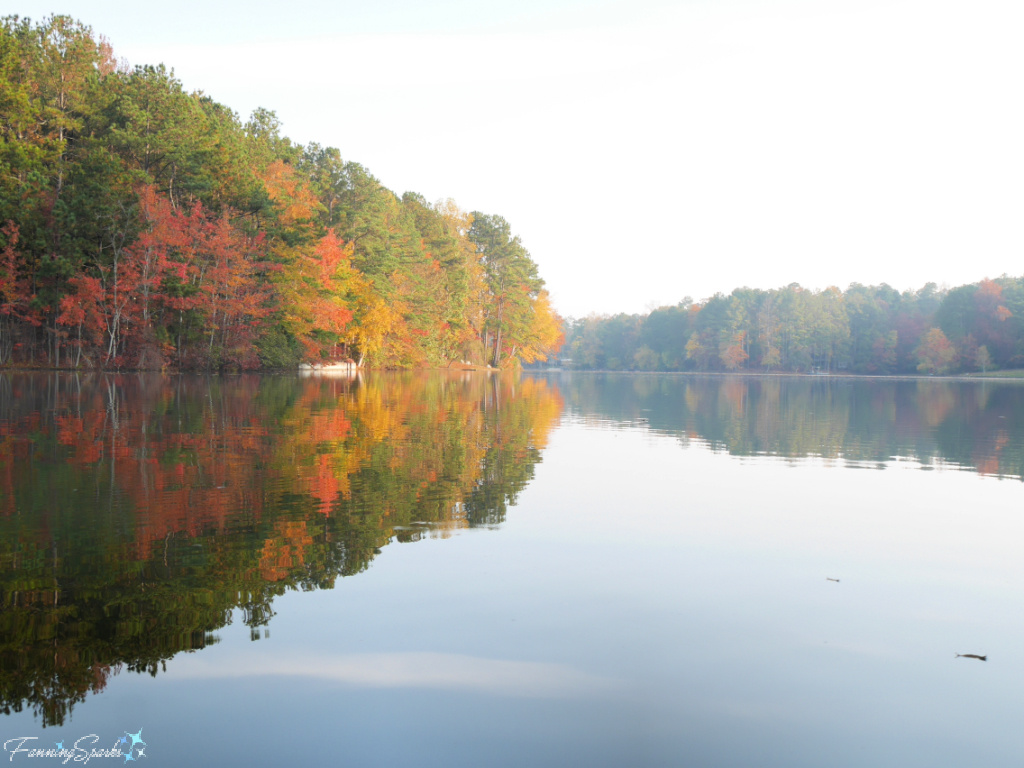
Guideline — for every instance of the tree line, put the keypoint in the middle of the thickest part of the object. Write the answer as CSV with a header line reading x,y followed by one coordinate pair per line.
x,y
865,329
142,226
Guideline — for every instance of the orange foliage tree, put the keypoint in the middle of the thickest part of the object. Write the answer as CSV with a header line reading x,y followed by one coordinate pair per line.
x,y
936,354
315,287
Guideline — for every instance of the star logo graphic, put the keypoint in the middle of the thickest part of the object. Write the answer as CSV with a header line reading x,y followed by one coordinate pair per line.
x,y
60,745
137,744
136,739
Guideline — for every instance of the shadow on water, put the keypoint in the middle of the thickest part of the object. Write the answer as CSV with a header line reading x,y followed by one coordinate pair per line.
x,y
138,512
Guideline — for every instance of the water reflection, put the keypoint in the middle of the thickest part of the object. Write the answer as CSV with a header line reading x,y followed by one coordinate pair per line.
x,y
972,424
138,512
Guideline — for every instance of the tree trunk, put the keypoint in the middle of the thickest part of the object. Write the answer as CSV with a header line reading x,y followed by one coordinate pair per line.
x,y
496,357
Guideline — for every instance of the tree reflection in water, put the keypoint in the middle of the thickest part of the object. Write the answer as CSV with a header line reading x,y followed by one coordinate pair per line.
x,y
137,512
975,425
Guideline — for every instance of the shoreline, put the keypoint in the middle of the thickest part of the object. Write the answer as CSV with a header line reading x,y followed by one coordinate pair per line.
x,y
1019,376
300,371
1015,376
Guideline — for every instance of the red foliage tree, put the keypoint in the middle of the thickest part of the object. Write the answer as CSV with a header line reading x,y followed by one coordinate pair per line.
x,y
15,292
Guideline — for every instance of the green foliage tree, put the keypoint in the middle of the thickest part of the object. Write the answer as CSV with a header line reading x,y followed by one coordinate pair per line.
x,y
512,285
982,359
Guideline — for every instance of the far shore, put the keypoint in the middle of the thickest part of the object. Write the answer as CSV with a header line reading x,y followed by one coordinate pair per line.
x,y
1015,375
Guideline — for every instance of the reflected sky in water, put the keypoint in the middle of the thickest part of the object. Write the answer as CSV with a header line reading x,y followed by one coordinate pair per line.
x,y
652,596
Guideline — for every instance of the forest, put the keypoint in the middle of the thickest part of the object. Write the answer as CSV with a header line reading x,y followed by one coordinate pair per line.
x,y
144,227
865,329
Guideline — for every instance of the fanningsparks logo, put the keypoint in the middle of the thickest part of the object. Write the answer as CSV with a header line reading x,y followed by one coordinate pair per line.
x,y
127,747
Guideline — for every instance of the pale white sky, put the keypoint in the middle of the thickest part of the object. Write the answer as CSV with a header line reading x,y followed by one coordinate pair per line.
x,y
648,150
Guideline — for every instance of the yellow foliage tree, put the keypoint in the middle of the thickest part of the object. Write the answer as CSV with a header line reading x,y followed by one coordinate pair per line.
x,y
544,334
375,320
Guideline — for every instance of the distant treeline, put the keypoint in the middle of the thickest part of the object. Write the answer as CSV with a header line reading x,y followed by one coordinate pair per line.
x,y
865,329
143,226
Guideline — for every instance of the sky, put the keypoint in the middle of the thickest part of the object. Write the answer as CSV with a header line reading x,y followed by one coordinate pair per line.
x,y
643,150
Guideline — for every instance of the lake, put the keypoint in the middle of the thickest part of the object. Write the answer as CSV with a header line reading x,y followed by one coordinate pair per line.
x,y
423,569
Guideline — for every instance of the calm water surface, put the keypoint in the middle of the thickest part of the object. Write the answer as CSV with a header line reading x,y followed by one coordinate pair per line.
x,y
428,570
